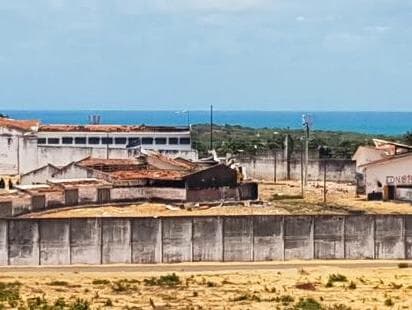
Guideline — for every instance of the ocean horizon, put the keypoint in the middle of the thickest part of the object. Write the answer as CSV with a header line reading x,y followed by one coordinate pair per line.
x,y
380,123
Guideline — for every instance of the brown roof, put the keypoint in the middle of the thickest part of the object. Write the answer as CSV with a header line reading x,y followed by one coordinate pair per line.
x,y
109,128
149,174
24,125
90,162
179,163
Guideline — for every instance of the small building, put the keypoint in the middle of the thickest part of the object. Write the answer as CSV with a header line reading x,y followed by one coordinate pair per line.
x,y
389,178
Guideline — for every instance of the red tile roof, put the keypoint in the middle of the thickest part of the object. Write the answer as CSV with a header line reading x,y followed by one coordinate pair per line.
x,y
109,128
24,125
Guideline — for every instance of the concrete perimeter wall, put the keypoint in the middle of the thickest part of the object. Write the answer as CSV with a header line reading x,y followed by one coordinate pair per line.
x,y
265,167
214,238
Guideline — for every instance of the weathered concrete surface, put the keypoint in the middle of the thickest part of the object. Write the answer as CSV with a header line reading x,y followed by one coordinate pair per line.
x,y
359,237
207,239
238,239
329,237
116,239
389,237
408,236
85,241
268,238
298,237
54,242
3,243
177,239
146,241
23,242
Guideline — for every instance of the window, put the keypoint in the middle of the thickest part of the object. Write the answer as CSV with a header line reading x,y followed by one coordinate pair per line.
x,y
160,140
184,140
134,142
94,140
173,141
67,140
147,140
120,140
53,140
79,140
41,141
107,140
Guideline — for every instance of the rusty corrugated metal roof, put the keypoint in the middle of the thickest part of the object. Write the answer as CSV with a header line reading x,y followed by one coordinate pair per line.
x,y
109,128
24,125
149,174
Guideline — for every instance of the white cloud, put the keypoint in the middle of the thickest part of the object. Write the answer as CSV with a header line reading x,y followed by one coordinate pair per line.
x,y
300,18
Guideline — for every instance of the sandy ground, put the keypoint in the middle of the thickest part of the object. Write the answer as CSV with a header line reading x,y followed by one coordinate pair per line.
x,y
373,287
282,198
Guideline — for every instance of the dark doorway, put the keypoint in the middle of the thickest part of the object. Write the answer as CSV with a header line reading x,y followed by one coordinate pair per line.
x,y
103,195
391,192
71,197
2,184
38,202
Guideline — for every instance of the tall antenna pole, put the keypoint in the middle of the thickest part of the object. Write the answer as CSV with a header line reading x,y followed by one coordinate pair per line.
x,y
211,127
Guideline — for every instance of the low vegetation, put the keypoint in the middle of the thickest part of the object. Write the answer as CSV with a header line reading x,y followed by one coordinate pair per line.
x,y
236,139
168,280
290,289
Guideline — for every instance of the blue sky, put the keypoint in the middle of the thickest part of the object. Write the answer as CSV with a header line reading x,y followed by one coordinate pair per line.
x,y
187,54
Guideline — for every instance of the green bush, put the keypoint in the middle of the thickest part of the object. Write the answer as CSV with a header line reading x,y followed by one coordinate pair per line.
x,y
9,291
80,304
308,304
167,280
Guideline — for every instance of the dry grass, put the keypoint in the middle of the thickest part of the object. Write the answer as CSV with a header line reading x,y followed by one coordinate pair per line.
x,y
366,288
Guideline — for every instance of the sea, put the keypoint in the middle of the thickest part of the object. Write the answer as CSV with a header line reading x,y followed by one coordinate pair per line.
x,y
376,123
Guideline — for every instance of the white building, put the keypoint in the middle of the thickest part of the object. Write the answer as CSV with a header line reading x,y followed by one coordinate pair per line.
x,y
26,145
387,175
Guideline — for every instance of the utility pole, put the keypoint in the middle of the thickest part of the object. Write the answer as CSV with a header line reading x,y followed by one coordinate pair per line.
x,y
324,182
211,127
274,166
307,123
301,172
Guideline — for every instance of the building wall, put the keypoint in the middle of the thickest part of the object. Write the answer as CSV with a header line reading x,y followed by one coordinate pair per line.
x,y
211,238
38,176
366,154
264,167
136,193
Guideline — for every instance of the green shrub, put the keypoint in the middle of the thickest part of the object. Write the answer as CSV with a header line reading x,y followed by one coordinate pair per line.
x,y
60,303
352,285
403,265
167,280
337,278
308,304
80,304
9,291
37,303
